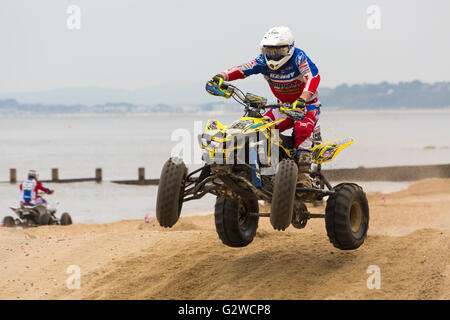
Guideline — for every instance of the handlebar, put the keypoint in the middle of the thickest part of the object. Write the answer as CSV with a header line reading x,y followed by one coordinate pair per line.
x,y
274,106
254,105
236,92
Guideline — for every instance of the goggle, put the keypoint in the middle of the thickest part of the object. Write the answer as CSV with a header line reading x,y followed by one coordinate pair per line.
x,y
275,52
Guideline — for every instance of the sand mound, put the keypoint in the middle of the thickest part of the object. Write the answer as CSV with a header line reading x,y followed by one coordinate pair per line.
x,y
409,240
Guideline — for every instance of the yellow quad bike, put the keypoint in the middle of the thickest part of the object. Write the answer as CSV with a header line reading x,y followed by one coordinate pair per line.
x,y
249,161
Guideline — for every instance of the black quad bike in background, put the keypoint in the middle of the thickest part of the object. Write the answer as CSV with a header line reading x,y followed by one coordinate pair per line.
x,y
250,161
34,216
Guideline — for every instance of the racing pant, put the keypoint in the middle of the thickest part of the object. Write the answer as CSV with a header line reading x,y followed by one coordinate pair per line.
x,y
304,129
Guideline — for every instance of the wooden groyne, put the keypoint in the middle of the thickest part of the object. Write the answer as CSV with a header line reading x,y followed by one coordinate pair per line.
x,y
98,177
142,181
398,173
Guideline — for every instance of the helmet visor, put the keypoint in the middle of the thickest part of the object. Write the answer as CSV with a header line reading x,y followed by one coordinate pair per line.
x,y
275,53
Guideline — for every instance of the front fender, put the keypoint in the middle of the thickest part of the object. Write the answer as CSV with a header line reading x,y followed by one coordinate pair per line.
x,y
327,151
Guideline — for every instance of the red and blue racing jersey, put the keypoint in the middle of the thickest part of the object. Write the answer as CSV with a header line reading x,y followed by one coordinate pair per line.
x,y
297,75
30,188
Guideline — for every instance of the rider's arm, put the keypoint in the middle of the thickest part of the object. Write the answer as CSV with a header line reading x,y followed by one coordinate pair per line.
x,y
310,73
306,95
39,186
240,72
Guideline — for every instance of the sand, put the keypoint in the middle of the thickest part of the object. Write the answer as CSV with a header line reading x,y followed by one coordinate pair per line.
x,y
408,239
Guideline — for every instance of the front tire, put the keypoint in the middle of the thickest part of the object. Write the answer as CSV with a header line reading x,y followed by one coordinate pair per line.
x,y
170,192
347,216
234,224
9,222
283,197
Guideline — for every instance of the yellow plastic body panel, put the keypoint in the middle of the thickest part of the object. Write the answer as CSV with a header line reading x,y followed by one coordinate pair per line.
x,y
263,125
327,151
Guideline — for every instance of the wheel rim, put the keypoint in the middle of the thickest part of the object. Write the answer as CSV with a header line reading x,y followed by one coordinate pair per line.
x,y
356,217
242,216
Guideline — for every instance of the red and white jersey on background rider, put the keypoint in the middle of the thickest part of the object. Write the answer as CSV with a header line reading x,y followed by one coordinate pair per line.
x,y
30,188
297,75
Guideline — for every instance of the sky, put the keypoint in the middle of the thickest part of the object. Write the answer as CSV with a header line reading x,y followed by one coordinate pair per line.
x,y
131,44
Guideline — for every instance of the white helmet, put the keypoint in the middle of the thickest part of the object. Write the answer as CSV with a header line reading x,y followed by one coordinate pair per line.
x,y
32,174
277,46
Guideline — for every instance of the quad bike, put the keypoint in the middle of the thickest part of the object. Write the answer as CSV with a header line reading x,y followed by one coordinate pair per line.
x,y
38,215
249,161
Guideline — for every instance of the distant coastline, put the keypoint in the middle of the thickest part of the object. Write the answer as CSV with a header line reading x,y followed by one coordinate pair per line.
x,y
414,95
212,113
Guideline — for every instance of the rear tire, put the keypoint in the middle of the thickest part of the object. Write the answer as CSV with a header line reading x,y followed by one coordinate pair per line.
x,y
347,216
283,197
45,219
170,192
9,222
300,215
66,219
234,225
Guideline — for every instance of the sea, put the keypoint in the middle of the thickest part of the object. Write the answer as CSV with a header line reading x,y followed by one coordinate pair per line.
x,y
121,143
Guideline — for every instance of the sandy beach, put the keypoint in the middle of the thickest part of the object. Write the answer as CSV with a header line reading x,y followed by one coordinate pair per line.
x,y
408,239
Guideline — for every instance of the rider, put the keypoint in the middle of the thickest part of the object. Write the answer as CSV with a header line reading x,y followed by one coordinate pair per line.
x,y
293,79
30,187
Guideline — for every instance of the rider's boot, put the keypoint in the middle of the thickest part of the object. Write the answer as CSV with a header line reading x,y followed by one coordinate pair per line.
x,y
303,159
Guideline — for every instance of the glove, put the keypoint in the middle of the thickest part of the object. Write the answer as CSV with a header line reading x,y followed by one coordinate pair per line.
x,y
219,79
296,110
51,192
214,87
299,103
